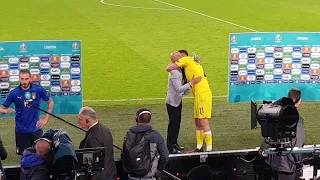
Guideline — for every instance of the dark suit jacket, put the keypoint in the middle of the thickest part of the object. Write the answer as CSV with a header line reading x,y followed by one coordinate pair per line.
x,y
100,136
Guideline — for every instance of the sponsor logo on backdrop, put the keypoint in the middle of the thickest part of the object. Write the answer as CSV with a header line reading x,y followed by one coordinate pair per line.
x,y
55,89
305,77
44,71
268,66
65,70
45,83
259,77
55,83
278,49
242,73
55,65
241,61
4,85
35,71
65,83
65,76
45,65
234,51
54,59
234,73
233,78
269,60
55,71
296,49
259,71
65,58
251,72
78,88
13,60
75,58
296,71
242,67
14,66
4,79
13,72
68,88
305,66
34,59
45,77
277,71
5,91
75,76
251,61
55,76
24,65
44,59
315,66
234,61
65,64
252,50
4,66
269,49
77,70
251,78
260,66
251,66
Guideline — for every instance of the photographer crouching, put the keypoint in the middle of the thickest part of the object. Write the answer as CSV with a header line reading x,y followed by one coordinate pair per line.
x,y
284,167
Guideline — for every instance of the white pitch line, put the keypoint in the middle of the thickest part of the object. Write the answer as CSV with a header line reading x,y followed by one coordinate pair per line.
x,y
182,8
136,7
139,99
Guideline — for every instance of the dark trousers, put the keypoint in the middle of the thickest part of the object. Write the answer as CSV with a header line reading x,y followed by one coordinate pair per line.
x,y
174,125
26,140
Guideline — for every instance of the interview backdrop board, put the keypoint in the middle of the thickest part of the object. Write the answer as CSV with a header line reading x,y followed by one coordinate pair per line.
x,y
265,66
55,65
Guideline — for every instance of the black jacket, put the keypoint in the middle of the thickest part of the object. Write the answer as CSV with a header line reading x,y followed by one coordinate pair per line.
x,y
100,136
287,163
159,151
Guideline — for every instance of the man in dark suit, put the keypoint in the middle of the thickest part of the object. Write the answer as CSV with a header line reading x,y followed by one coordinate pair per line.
x,y
98,136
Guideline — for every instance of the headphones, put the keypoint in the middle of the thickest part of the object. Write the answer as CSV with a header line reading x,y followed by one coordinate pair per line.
x,y
140,112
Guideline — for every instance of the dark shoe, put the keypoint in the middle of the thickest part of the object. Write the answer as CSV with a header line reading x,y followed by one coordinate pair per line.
x,y
175,151
196,150
178,147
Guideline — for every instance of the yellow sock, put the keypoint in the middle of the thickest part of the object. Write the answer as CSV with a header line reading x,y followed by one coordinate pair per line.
x,y
199,137
208,140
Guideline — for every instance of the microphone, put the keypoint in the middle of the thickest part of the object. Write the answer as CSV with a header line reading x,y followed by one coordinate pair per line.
x,y
27,100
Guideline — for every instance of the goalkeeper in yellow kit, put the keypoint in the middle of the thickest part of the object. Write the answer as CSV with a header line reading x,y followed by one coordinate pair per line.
x,y
202,96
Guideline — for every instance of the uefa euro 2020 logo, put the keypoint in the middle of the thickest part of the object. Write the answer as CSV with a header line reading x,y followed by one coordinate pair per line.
x,y
23,47
75,46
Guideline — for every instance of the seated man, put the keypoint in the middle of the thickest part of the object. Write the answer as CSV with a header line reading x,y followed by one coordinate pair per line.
x,y
98,135
34,161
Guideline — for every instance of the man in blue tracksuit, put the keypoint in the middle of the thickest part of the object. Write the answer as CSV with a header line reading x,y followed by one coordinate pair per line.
x,y
28,123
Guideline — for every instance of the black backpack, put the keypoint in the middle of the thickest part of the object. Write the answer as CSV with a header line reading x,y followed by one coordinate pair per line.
x,y
136,156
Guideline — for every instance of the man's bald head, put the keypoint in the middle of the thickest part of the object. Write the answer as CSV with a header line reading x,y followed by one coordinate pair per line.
x,y
42,147
175,56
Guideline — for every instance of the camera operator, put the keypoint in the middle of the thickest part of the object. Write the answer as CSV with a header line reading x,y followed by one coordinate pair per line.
x,y
284,167
35,160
